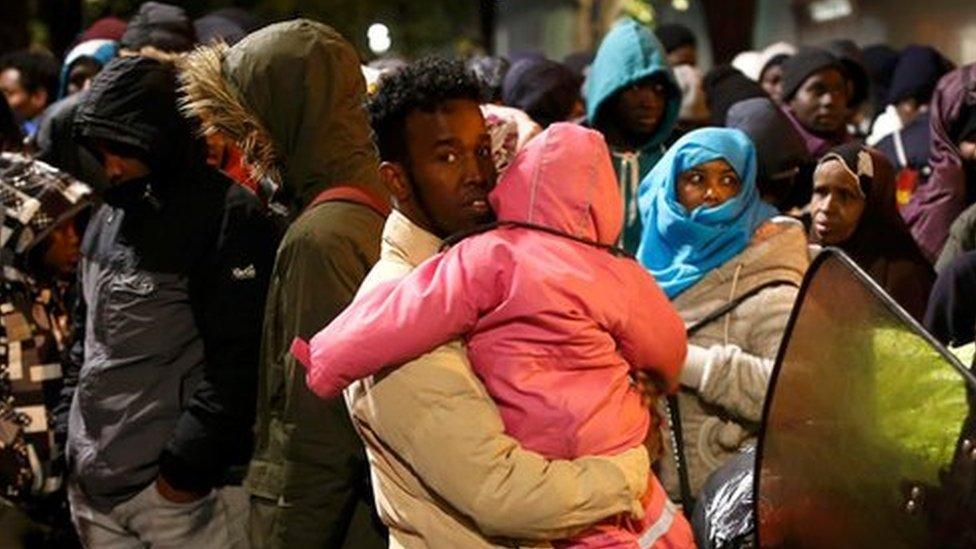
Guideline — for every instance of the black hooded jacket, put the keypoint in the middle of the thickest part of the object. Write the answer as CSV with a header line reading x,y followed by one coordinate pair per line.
x,y
174,273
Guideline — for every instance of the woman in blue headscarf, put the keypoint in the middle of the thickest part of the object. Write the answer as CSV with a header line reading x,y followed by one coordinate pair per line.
x,y
709,240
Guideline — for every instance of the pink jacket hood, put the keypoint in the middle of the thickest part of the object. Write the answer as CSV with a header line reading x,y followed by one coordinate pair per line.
x,y
564,180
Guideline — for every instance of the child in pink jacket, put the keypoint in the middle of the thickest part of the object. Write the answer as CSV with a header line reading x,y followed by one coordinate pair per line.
x,y
554,323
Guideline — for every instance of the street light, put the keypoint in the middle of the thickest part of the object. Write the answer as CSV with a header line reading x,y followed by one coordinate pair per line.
x,y
378,35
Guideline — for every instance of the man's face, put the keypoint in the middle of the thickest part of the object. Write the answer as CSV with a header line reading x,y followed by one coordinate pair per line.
x,y
685,55
449,167
821,102
639,108
837,204
26,105
120,169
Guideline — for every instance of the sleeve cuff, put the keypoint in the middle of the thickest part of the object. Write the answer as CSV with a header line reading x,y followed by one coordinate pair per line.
x,y
694,369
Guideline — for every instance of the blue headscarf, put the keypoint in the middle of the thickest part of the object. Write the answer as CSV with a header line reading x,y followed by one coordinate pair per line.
x,y
680,247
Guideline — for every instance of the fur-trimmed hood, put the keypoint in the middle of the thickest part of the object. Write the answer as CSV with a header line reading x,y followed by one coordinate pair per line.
x,y
292,97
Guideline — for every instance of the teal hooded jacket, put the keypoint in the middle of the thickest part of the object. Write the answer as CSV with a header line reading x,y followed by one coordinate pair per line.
x,y
628,54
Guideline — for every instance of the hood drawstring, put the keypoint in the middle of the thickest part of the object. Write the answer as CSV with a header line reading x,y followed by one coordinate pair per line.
x,y
735,283
629,165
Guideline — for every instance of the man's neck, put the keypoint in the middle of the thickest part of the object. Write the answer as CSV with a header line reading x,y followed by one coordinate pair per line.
x,y
622,142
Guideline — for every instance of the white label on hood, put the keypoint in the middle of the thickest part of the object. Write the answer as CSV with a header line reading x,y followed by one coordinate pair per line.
x,y
76,191
27,209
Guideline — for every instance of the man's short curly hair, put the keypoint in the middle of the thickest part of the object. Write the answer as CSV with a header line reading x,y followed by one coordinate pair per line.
x,y
422,85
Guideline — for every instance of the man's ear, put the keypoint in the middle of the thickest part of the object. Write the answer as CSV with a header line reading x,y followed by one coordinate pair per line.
x,y
395,179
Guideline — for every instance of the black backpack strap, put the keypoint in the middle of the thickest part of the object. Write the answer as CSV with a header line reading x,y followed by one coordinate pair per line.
x,y
457,237
674,411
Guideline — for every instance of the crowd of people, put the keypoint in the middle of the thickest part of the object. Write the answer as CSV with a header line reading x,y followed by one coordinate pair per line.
x,y
256,294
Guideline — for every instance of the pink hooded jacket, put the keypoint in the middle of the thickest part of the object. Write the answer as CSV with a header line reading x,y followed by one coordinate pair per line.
x,y
552,325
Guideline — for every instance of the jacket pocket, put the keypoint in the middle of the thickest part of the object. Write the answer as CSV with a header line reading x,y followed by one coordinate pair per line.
x,y
126,311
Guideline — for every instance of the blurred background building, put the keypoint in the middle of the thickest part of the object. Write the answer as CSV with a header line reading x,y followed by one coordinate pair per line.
x,y
556,28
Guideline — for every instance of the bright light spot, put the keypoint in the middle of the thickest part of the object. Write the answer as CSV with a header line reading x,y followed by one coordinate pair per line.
x,y
680,5
379,38
828,10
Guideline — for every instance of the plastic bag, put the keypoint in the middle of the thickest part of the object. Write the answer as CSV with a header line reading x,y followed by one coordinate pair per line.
x,y
724,517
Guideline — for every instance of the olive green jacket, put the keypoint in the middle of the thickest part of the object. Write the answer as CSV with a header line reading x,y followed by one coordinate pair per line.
x,y
292,97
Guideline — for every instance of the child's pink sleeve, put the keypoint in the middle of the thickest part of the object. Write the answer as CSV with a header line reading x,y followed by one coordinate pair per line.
x,y
654,337
401,320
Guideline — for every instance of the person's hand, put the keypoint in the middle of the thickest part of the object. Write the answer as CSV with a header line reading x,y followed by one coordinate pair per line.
x,y
174,495
650,388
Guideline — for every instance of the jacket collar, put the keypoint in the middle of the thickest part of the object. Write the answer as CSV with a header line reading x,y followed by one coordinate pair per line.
x,y
404,240
779,254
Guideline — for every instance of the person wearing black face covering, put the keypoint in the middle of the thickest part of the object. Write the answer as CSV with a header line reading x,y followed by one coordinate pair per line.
x,y
174,271
854,209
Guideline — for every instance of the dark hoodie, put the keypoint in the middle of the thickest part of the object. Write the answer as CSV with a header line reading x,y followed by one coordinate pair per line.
x,y
292,96
628,54
173,275
949,188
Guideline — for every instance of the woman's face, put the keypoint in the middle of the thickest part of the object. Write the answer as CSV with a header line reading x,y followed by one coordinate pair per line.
x,y
708,184
837,204
772,82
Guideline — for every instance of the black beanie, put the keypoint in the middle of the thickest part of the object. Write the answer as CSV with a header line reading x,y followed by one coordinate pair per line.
x,y
544,89
725,86
804,64
918,70
674,36
165,27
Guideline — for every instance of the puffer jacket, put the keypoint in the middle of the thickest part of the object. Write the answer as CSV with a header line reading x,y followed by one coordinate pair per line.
x,y
553,326
445,472
729,360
